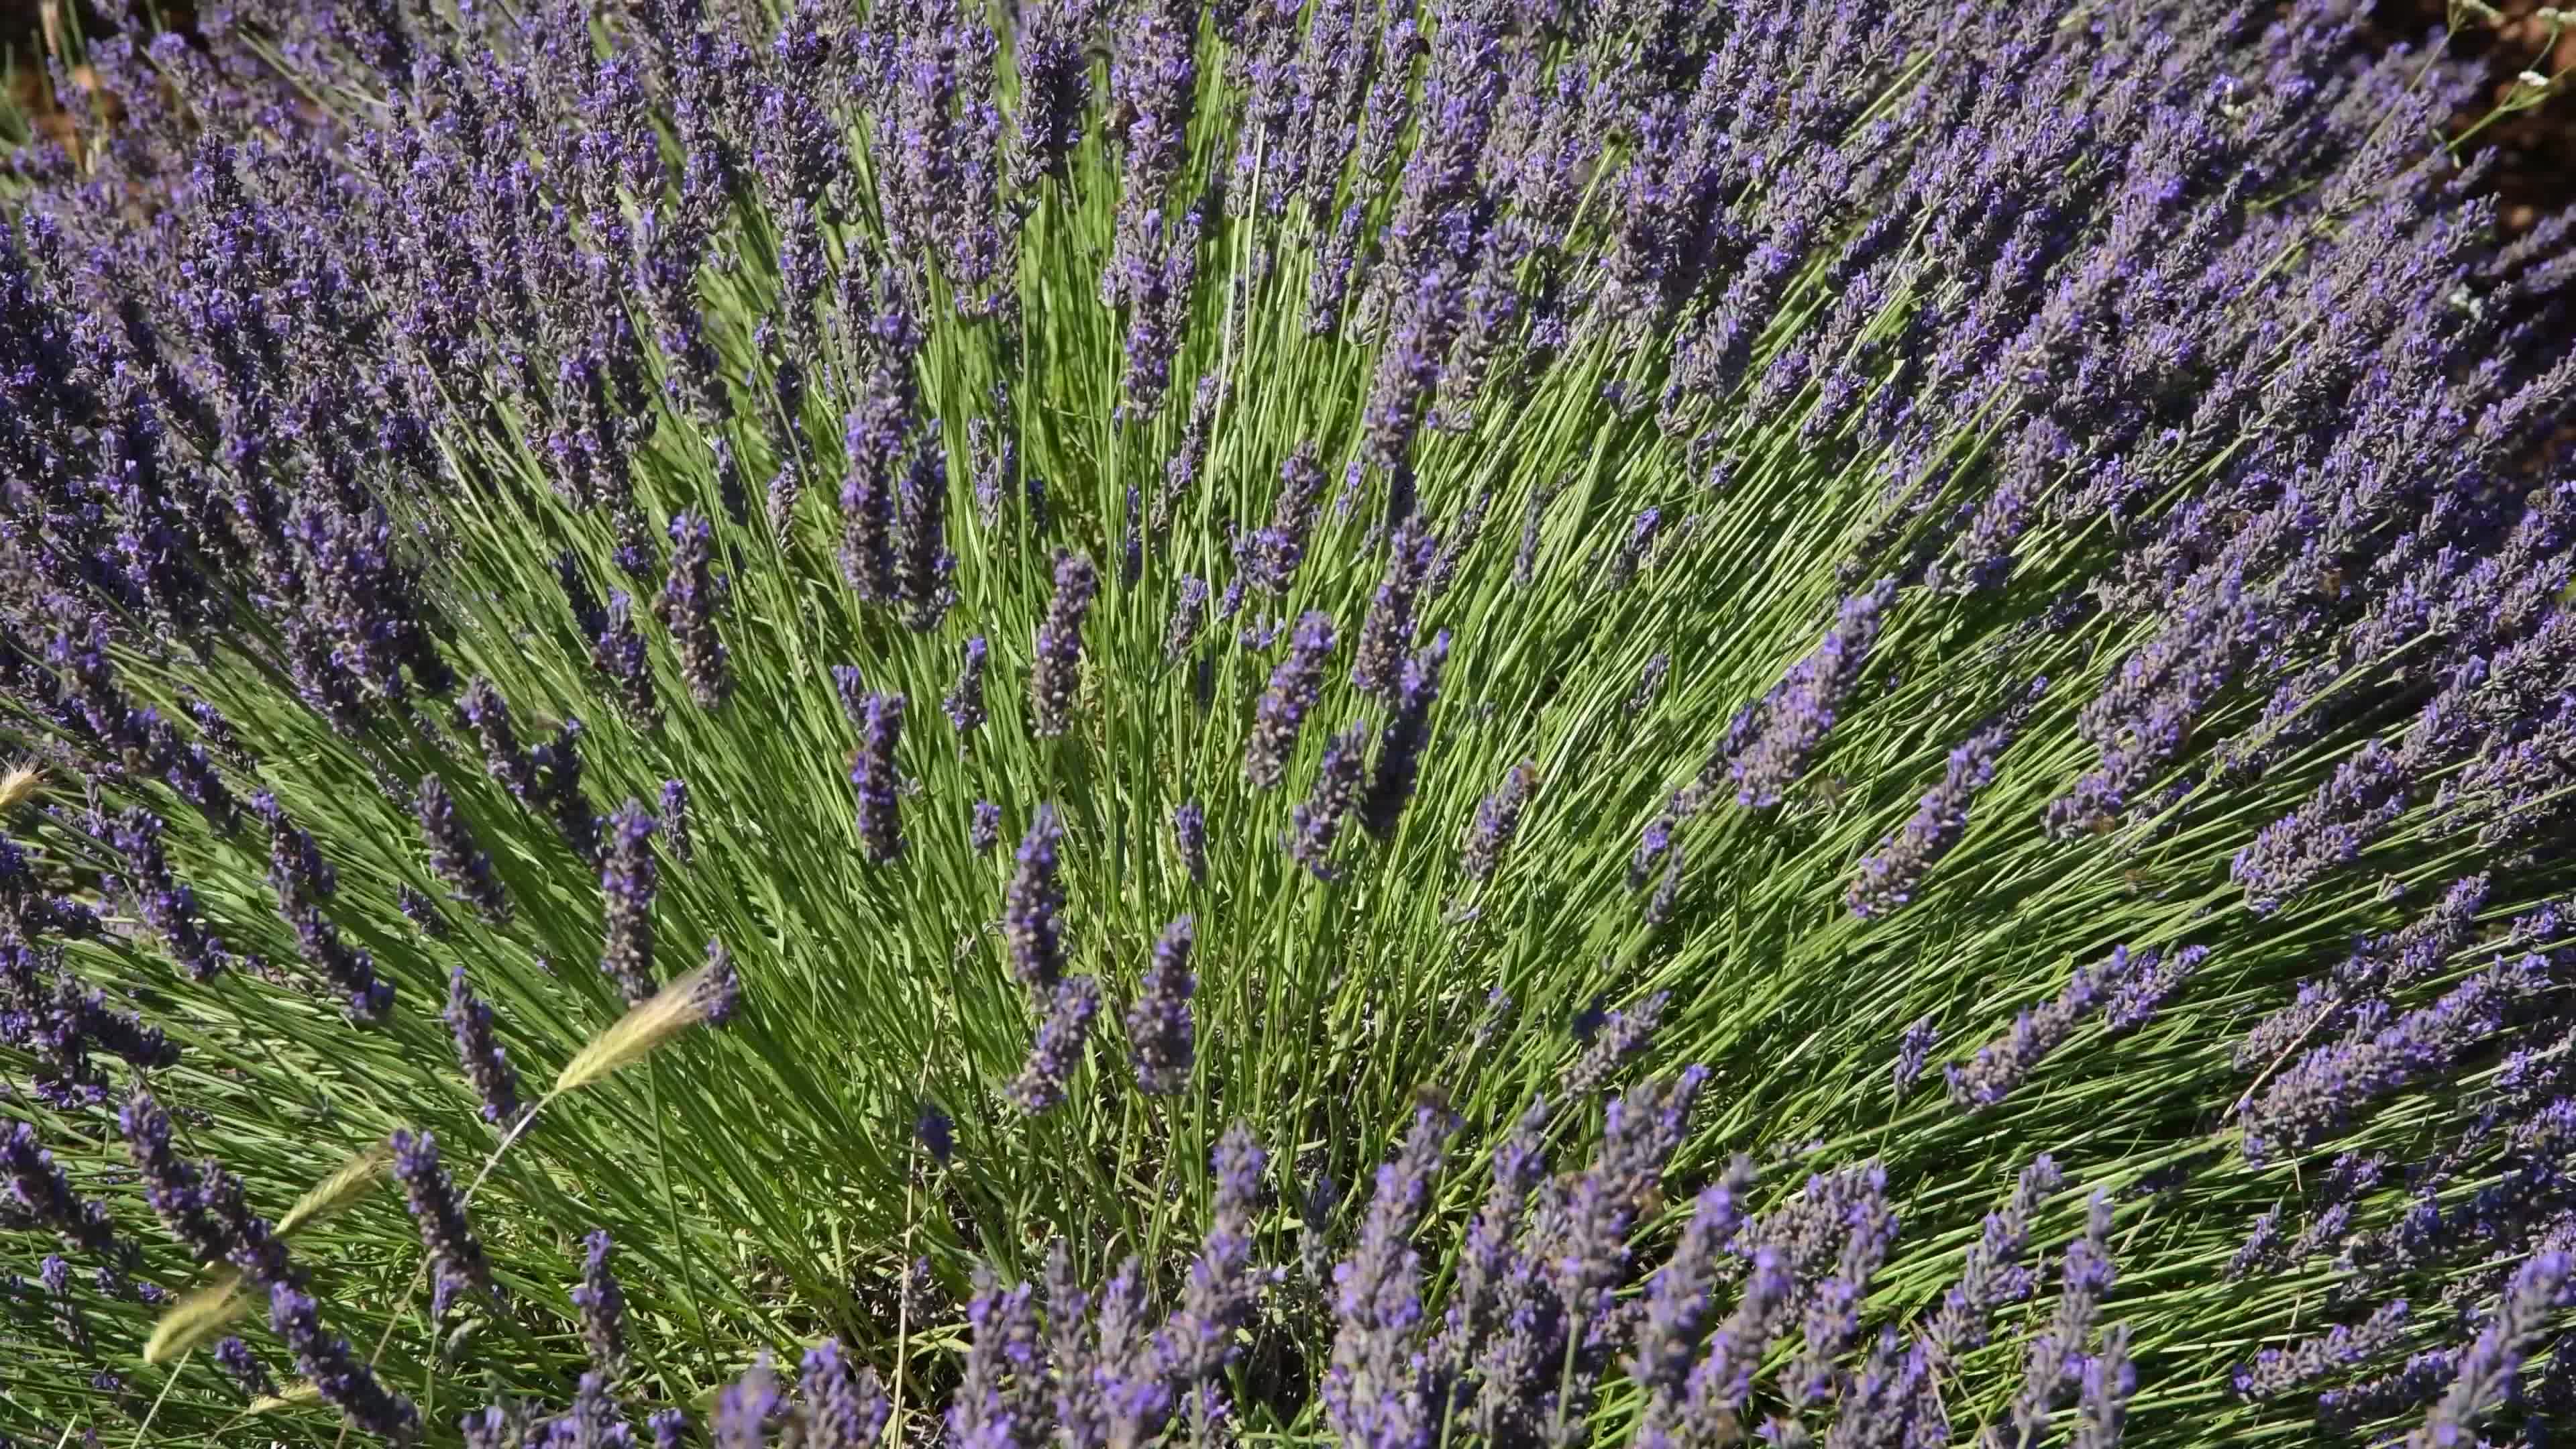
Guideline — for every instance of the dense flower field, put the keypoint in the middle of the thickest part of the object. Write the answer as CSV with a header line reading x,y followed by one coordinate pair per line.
x,y
1096,722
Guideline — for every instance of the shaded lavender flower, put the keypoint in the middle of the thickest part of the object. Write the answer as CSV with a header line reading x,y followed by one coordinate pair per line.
x,y
602,1305
1386,634
1189,837
1050,51
2053,1359
2001,1064
1270,556
487,1066
1295,685
628,878
1033,906
620,655
1890,874
235,1358
1650,683
1913,1053
454,857
1316,822
996,1400
1653,843
1833,1303
1401,741
194,1208
1378,1391
2485,1373
692,595
1054,673
2329,1085
965,699
1617,1037
1994,1274
1160,1035
166,905
327,1362
1677,1304
720,993
748,1408
2142,983
872,775
843,1408
1062,1034
1723,1377
2261,1249
1197,1341
675,820
455,1254
489,715
2351,808
2108,1381
2276,1371
45,1198
1790,723
1498,816
984,827
1189,614
937,1132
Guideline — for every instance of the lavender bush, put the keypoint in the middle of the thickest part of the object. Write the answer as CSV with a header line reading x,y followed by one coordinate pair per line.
x,y
1832,724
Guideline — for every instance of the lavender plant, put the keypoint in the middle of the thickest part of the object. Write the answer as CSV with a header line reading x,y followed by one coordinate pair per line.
x,y
2043,564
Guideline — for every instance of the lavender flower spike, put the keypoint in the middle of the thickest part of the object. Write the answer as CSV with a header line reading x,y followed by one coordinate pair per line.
x,y
487,1066
1032,907
1378,1392
872,774
602,1304
1189,836
628,879
965,700
1160,1034
1294,688
1498,817
1890,874
2486,1373
2001,1064
1317,821
455,1254
1401,743
454,856
1054,673
327,1362
1791,722
1058,1049
692,595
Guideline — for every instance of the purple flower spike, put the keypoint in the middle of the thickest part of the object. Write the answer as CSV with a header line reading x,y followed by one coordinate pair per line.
x,y
1055,673
1378,1391
1498,817
1891,874
2002,1064
1294,688
2053,1359
328,1363
692,596
455,1254
628,878
1994,1275
454,857
1791,722
1062,1035
844,1409
1033,905
1317,821
1401,743
1189,836
602,1304
675,820
487,1066
872,775
984,827
965,700
1160,1035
